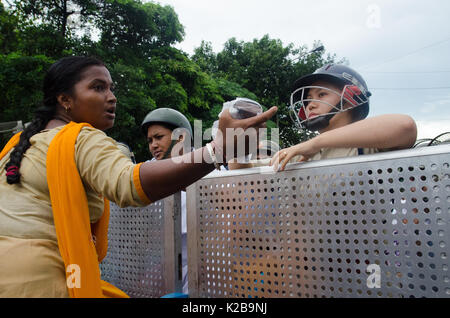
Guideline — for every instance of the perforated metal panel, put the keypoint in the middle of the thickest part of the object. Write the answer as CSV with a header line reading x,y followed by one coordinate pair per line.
x,y
322,229
143,249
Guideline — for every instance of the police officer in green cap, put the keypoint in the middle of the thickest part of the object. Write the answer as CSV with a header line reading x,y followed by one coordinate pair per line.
x,y
164,128
160,127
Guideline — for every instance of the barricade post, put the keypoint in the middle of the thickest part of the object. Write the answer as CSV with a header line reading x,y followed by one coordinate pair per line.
x,y
144,249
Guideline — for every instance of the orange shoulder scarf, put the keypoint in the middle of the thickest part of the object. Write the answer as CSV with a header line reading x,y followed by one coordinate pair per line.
x,y
71,217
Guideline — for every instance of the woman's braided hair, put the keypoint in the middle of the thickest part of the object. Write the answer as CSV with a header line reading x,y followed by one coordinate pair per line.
x,y
60,79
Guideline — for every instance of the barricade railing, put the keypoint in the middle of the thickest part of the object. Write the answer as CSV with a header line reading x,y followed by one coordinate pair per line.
x,y
144,249
367,226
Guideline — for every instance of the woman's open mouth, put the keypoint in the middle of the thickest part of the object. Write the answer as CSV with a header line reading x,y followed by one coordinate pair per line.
x,y
111,112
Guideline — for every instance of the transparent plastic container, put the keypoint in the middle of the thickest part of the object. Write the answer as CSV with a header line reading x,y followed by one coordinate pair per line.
x,y
240,108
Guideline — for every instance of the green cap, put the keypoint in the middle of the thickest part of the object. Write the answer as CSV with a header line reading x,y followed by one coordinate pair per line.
x,y
168,116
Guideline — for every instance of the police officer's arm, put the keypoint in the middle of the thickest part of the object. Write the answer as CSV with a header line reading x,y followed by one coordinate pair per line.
x,y
385,132
161,178
388,132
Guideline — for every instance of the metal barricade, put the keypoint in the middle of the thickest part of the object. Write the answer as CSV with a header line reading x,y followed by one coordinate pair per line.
x,y
144,249
367,226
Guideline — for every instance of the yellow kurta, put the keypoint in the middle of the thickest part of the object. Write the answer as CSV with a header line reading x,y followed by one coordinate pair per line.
x,y
30,262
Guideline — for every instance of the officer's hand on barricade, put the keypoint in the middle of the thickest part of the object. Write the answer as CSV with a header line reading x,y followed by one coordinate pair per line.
x,y
304,150
236,134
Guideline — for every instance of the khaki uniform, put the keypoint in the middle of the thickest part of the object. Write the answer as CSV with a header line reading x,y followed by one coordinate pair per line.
x,y
30,261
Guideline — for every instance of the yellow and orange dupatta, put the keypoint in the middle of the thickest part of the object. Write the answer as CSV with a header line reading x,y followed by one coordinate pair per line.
x,y
71,217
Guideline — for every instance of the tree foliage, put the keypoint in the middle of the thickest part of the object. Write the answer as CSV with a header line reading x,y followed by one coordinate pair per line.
x,y
136,41
129,28
267,68
8,30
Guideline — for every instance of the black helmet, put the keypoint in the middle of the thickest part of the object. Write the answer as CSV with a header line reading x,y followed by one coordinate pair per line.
x,y
166,116
354,91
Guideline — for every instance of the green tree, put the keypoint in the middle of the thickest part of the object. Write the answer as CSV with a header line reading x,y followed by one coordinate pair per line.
x,y
20,86
267,68
131,29
57,14
20,83
8,30
134,41
206,58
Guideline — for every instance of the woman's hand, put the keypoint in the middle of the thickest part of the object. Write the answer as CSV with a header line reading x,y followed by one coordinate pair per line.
x,y
161,178
305,150
235,135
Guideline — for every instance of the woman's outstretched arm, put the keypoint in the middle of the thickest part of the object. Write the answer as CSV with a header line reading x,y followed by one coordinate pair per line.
x,y
161,178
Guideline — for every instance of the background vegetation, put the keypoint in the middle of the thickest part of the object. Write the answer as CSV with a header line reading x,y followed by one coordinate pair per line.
x,y
136,40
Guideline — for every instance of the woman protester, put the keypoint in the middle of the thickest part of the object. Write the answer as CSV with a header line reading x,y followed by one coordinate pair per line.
x,y
57,176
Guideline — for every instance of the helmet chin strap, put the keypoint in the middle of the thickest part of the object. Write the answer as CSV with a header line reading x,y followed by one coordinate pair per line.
x,y
320,122
169,150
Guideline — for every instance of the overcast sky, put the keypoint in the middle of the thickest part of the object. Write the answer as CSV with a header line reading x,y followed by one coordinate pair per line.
x,y
400,47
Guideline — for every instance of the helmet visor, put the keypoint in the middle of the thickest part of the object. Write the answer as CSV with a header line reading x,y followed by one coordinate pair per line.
x,y
350,95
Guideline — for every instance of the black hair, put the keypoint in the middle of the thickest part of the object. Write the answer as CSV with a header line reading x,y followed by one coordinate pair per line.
x,y
161,123
60,78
